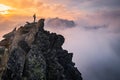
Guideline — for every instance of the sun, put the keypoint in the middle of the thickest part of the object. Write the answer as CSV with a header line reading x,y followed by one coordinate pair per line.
x,y
4,9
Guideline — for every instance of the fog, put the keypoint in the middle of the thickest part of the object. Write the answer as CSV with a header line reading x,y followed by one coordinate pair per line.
x,y
96,50
94,55
95,44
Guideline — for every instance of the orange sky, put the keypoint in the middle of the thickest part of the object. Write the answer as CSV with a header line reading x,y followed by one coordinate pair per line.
x,y
91,40
42,9
88,12
18,11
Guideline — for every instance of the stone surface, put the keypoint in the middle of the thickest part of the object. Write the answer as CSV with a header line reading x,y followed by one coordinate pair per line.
x,y
36,54
10,34
15,65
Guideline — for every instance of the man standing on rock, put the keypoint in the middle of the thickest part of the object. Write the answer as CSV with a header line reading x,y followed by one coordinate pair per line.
x,y
34,16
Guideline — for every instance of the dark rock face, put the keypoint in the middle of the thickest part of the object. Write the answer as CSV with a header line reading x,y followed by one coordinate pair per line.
x,y
2,49
15,65
40,24
35,67
9,35
24,46
36,54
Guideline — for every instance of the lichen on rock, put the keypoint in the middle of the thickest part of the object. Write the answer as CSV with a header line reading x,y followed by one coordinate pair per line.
x,y
37,54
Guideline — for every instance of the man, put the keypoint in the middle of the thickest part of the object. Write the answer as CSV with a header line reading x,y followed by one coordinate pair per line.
x,y
34,16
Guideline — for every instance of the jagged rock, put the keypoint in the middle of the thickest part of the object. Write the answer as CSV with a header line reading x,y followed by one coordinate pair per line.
x,y
15,66
5,42
31,35
35,67
36,54
40,24
9,35
3,59
24,46
2,49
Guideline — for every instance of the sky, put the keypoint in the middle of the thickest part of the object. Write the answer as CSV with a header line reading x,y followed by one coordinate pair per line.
x,y
94,39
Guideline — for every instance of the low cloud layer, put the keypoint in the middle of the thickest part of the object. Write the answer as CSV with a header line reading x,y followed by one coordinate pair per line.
x,y
95,27
102,18
96,52
94,37
59,23
95,44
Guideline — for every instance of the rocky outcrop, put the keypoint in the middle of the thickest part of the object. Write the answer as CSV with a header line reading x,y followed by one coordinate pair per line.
x,y
36,54
9,35
3,58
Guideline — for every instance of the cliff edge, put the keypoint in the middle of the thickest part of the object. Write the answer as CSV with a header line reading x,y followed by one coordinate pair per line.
x,y
33,53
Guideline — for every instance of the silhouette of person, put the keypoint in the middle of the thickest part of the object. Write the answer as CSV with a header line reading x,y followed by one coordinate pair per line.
x,y
34,16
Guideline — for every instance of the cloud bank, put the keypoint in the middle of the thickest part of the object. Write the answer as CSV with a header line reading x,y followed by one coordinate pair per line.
x,y
59,23
94,40
95,47
95,44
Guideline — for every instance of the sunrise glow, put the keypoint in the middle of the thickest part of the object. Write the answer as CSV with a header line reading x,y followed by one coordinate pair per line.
x,y
93,38
4,9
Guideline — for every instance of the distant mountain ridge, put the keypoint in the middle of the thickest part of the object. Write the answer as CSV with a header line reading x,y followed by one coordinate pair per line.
x,y
60,23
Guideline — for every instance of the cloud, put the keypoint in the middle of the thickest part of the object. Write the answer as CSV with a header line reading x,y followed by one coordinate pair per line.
x,y
95,44
116,45
68,9
40,7
88,4
99,4
101,18
7,23
59,23
105,3
95,27
95,52
19,4
94,40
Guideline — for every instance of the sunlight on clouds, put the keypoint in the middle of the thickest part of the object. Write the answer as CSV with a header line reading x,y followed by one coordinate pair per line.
x,y
4,9
41,8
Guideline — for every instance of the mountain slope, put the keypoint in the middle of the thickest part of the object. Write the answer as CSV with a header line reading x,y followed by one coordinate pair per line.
x,y
36,54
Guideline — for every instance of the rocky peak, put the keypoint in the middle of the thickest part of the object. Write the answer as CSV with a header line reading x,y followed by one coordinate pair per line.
x,y
37,54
